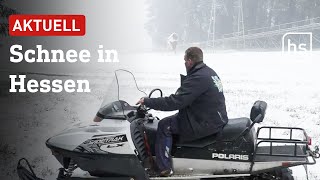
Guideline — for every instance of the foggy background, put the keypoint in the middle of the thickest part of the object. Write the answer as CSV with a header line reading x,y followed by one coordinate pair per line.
x,y
232,24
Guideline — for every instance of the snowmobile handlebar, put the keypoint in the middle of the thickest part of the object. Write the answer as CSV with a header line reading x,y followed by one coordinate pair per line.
x,y
142,109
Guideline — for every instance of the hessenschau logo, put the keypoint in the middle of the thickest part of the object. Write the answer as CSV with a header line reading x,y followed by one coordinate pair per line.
x,y
297,42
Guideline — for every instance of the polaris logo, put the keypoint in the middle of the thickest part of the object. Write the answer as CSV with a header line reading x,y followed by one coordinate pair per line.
x,y
230,156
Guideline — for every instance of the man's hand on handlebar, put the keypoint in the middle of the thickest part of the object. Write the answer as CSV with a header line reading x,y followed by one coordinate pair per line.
x,y
142,107
140,102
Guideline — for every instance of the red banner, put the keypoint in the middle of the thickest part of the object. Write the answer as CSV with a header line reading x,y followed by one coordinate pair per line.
x,y
47,25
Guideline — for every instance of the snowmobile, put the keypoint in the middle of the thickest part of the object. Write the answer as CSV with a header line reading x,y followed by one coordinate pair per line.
x,y
120,144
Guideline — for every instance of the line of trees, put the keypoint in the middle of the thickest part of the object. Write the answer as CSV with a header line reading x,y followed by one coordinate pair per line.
x,y
191,19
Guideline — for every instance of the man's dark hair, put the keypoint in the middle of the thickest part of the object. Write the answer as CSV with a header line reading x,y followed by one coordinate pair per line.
x,y
194,53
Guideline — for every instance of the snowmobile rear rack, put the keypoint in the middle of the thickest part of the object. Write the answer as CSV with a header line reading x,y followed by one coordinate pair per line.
x,y
293,146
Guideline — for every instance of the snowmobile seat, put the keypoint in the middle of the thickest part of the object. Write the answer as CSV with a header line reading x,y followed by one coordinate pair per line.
x,y
229,133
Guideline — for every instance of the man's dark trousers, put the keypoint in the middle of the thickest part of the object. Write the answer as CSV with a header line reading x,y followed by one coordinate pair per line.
x,y
166,128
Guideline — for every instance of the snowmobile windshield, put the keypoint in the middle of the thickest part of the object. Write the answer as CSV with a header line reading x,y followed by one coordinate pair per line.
x,y
122,95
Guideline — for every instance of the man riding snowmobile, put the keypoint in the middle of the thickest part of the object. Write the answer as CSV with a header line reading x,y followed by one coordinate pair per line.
x,y
200,89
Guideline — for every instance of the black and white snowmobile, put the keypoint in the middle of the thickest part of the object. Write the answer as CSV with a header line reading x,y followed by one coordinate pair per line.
x,y
122,144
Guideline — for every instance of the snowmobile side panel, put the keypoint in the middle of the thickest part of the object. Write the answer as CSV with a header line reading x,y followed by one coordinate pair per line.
x,y
259,167
72,138
201,176
107,164
184,166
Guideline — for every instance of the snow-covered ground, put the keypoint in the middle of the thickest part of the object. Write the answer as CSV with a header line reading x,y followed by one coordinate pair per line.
x,y
288,83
